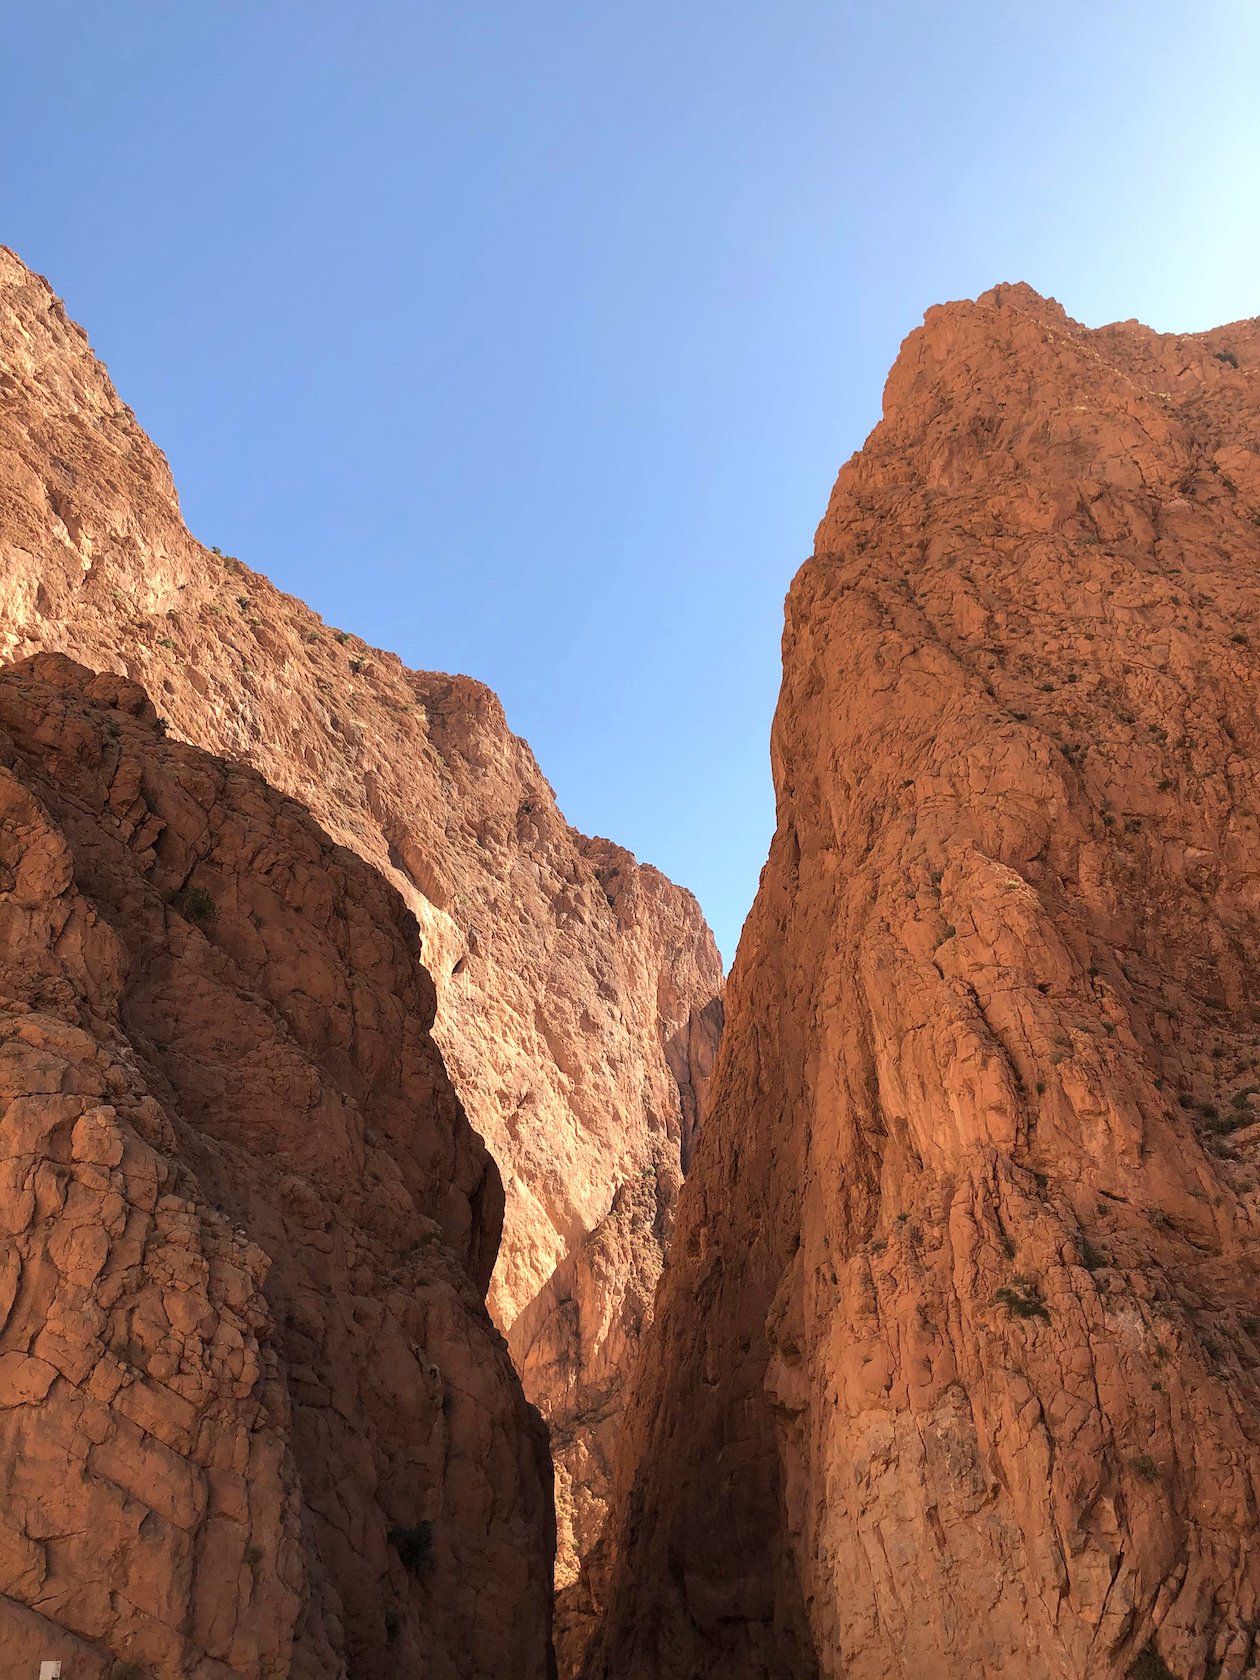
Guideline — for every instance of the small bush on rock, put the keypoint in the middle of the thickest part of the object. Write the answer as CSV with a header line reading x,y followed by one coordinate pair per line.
x,y
194,904
414,1546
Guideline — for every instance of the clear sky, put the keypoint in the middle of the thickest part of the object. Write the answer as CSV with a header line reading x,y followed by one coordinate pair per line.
x,y
527,337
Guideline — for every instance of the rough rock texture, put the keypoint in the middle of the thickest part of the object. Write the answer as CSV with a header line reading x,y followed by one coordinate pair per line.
x,y
954,1368
573,1344
577,1340
576,990
254,1418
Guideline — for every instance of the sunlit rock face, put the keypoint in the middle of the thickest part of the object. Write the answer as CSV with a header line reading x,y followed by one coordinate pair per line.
x,y
954,1365
254,1417
578,993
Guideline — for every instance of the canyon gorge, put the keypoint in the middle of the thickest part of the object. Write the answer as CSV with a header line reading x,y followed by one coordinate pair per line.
x,y
419,1260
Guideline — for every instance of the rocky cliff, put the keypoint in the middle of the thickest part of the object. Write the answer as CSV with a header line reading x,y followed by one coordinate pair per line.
x,y
578,993
955,1364
254,1418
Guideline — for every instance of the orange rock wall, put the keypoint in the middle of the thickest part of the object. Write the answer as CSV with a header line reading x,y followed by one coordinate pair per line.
x,y
578,993
254,1418
956,1356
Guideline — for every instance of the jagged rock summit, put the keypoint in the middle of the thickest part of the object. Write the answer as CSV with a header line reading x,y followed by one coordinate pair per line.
x,y
578,992
955,1363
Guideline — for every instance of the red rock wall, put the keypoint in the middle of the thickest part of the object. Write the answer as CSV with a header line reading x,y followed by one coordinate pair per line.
x,y
254,1419
578,992
954,1369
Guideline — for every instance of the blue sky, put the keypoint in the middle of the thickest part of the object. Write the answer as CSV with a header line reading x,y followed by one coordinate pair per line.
x,y
527,339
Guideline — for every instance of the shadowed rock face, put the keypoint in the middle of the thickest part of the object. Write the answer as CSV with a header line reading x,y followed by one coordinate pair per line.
x,y
254,1418
578,992
954,1367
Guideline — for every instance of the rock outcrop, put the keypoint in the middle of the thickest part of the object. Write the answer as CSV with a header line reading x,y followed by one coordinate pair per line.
x,y
578,993
955,1363
254,1417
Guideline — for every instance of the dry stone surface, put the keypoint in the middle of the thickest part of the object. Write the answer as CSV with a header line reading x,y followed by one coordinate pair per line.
x,y
579,993
254,1417
955,1369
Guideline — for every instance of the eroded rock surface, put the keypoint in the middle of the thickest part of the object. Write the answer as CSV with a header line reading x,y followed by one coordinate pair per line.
x,y
578,993
254,1418
954,1369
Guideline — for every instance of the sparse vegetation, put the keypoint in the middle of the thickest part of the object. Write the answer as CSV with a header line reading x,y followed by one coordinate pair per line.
x,y
414,1546
1023,1300
1146,1467
1151,1666
1228,357
194,904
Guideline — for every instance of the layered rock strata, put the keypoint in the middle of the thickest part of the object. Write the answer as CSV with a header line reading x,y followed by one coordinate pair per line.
x,y
956,1362
254,1418
578,993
